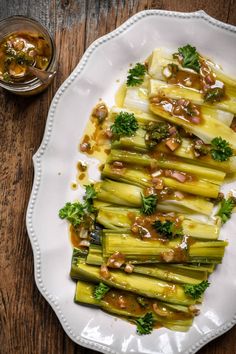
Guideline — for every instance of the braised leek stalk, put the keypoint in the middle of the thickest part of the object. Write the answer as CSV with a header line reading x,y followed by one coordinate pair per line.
x,y
177,273
136,283
206,131
137,102
220,75
116,217
165,272
161,58
177,92
118,193
165,161
201,187
136,99
185,151
169,316
173,251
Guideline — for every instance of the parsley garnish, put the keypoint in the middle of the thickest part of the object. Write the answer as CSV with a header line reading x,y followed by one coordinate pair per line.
x,y
90,194
215,94
190,57
136,75
195,291
145,324
125,125
73,212
167,228
76,212
100,291
149,204
226,208
220,149
155,133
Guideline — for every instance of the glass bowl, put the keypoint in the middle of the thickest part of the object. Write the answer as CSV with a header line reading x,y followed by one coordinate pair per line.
x,y
24,24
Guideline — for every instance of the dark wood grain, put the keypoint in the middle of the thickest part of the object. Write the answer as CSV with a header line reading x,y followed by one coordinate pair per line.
x,y
28,325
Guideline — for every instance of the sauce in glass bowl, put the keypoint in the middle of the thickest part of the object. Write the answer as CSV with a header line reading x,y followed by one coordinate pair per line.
x,y
20,50
25,43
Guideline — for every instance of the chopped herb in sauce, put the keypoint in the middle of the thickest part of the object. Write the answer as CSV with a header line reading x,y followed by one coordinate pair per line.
x,y
125,125
145,324
167,229
226,208
215,94
156,132
136,75
100,291
149,204
196,291
90,194
200,149
142,301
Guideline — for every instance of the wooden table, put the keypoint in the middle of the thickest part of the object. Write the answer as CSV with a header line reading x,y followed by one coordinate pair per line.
x,y
28,325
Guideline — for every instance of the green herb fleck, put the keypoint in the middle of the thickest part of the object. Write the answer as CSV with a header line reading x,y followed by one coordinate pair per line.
x,y
215,94
149,204
226,208
136,75
190,57
155,133
196,291
220,149
100,291
142,301
167,228
90,194
125,125
145,324
6,77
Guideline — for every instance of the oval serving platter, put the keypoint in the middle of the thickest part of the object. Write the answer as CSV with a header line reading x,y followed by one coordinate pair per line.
x,y
104,63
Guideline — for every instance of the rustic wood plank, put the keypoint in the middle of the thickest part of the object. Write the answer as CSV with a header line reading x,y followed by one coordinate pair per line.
x,y
28,324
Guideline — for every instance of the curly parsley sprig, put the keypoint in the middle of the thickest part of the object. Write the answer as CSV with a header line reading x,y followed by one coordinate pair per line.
x,y
190,57
145,324
73,212
196,291
226,208
220,149
76,212
136,75
125,125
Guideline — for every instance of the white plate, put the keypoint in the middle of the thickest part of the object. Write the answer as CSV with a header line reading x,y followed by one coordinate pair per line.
x,y
107,60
